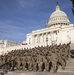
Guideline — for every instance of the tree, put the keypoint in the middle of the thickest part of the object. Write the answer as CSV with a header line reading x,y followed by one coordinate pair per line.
x,y
72,6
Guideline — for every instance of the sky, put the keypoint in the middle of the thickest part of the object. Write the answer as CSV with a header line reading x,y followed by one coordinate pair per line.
x,y
19,17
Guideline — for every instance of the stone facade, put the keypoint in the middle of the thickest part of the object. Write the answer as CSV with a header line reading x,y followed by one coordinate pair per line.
x,y
7,43
56,34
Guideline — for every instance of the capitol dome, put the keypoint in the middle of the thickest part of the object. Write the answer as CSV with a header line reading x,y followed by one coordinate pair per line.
x,y
58,17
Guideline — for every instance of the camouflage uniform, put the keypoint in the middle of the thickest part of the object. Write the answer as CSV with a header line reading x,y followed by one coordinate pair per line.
x,y
18,62
29,61
23,61
34,60
54,61
40,62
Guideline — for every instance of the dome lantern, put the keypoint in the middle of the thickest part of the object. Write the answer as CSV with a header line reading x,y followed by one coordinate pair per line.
x,y
57,6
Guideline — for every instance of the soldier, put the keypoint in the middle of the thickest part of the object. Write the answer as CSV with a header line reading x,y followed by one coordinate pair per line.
x,y
61,60
17,61
34,60
12,62
54,61
8,62
23,61
4,64
48,58
68,49
40,62
46,62
29,61
1,61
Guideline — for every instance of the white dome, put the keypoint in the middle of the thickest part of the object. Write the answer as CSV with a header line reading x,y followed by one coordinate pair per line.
x,y
58,17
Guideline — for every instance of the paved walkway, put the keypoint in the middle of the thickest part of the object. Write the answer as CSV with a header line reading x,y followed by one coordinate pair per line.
x,y
37,73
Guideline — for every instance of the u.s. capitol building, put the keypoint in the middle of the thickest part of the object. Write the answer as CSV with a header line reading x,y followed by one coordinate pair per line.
x,y
58,30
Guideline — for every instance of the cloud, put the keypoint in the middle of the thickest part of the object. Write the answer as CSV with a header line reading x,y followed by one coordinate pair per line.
x,y
29,3
16,30
8,31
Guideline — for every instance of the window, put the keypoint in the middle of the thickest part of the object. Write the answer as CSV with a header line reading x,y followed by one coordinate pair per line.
x,y
29,40
58,31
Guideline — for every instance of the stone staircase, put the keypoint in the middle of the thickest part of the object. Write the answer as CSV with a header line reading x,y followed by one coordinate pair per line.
x,y
69,66
72,46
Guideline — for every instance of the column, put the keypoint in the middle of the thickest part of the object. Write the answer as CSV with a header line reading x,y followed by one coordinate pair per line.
x,y
42,37
61,35
46,38
33,39
51,37
38,38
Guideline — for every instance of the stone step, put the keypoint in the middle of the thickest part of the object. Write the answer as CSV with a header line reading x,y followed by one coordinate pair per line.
x,y
70,61
66,70
72,46
69,66
72,71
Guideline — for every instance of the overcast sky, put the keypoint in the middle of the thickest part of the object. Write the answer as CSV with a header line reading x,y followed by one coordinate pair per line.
x,y
19,17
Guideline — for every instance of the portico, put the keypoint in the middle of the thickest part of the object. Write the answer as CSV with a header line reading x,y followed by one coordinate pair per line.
x,y
44,36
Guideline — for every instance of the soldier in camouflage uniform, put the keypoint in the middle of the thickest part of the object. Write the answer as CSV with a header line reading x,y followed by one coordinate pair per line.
x,y
29,61
46,61
18,62
1,61
23,61
68,49
60,57
34,60
40,62
54,61
12,62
